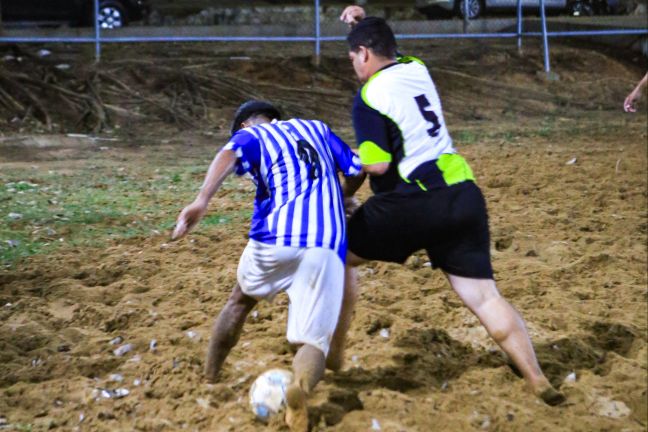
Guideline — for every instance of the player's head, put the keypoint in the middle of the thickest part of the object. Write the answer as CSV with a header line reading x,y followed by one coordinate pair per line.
x,y
254,110
370,38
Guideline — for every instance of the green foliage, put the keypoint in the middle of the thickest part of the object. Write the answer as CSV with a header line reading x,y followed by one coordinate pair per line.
x,y
465,137
94,205
214,219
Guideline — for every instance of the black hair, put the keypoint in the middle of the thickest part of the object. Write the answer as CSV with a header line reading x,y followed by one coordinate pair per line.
x,y
373,33
253,108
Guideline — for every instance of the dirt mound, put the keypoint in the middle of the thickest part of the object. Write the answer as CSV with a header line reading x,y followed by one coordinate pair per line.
x,y
201,88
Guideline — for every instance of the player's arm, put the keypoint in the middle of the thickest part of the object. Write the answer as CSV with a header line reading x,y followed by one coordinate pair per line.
x,y
629,104
352,15
220,168
240,154
348,162
352,184
376,169
372,137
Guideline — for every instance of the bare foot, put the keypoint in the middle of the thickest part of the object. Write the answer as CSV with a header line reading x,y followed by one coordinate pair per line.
x,y
545,391
296,413
335,360
552,397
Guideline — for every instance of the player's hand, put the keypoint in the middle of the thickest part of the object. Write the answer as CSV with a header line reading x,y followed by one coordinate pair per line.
x,y
630,101
188,218
351,204
352,15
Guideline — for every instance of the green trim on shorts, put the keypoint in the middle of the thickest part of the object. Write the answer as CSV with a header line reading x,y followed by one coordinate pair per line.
x,y
454,168
371,153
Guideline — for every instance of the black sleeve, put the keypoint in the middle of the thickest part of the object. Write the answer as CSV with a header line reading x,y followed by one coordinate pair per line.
x,y
369,125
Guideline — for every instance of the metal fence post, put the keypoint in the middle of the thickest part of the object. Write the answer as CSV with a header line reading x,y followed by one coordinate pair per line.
x,y
519,26
317,33
466,11
97,32
545,39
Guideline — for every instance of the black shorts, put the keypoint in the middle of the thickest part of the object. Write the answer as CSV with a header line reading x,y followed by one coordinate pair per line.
x,y
450,223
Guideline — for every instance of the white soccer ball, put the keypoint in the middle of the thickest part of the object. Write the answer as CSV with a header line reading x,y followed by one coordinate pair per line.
x,y
268,393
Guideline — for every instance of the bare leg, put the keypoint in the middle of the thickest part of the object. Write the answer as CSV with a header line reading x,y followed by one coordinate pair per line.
x,y
335,359
227,330
308,367
507,328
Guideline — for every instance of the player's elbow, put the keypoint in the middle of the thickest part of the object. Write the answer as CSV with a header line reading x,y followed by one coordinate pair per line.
x,y
376,169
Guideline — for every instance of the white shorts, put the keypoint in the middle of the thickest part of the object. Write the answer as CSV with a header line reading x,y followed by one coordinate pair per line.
x,y
313,279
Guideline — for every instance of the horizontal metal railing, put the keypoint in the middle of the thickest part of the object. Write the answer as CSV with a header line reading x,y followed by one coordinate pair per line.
x,y
98,39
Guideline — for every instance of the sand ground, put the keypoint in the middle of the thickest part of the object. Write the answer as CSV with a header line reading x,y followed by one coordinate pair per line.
x,y
564,174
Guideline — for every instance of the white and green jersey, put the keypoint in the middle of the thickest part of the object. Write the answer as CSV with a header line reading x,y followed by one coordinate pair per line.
x,y
398,119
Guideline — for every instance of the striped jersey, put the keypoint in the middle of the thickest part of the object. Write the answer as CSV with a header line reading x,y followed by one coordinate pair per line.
x,y
294,165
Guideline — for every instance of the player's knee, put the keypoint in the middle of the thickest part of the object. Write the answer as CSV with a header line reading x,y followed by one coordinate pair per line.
x,y
351,291
499,334
239,301
500,331
353,260
499,328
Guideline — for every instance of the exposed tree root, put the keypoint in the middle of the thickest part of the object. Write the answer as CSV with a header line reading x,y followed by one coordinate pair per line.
x,y
94,98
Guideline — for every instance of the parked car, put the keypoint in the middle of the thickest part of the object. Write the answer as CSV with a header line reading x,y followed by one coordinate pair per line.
x,y
477,7
111,14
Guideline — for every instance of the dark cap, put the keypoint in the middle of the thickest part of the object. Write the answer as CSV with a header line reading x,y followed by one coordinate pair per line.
x,y
252,108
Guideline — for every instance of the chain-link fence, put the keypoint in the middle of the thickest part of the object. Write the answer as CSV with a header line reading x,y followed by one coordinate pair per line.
x,y
128,21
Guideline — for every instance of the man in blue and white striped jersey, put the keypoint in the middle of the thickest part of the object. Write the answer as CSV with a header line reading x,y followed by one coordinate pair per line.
x,y
297,237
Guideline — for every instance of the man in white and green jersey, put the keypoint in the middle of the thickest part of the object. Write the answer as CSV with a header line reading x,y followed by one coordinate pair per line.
x,y
425,196
398,121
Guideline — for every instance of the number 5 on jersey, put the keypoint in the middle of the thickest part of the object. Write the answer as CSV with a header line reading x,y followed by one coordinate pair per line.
x,y
430,116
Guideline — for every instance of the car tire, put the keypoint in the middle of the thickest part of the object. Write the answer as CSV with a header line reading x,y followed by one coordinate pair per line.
x,y
475,8
580,8
111,15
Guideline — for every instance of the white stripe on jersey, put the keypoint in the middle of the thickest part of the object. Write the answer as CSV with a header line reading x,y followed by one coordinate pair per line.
x,y
292,238
336,195
273,174
312,225
305,210
308,186
325,226
263,169
338,203
289,179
